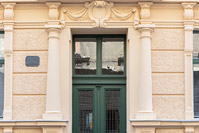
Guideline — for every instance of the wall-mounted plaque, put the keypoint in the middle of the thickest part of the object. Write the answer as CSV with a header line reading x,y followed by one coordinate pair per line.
x,y
32,61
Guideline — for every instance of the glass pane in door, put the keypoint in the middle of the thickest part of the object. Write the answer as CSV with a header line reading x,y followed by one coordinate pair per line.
x,y
85,111
85,56
112,111
113,56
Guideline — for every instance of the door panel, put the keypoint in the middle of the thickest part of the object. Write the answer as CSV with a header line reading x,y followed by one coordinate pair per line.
x,y
99,109
85,102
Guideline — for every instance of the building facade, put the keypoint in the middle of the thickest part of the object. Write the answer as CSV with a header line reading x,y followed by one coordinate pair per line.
x,y
71,66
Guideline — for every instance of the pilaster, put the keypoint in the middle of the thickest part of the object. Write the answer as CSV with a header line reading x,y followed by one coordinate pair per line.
x,y
189,113
8,29
188,59
145,110
53,99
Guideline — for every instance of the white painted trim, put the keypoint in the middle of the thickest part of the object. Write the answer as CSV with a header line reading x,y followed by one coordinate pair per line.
x,y
7,114
188,69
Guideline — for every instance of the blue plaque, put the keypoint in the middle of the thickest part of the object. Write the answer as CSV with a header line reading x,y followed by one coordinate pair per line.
x,y
32,61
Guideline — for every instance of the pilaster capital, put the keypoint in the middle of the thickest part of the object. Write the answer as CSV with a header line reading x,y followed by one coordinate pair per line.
x,y
53,30
188,52
188,27
146,27
8,130
8,27
145,9
189,129
8,11
188,10
53,10
8,51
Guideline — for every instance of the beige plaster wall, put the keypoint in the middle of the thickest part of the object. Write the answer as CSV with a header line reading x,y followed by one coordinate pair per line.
x,y
29,83
168,12
168,73
31,12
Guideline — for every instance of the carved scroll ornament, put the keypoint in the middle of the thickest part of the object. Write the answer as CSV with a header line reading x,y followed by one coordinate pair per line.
x,y
99,12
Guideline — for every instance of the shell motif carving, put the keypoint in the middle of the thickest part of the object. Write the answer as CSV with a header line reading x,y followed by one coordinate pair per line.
x,y
99,12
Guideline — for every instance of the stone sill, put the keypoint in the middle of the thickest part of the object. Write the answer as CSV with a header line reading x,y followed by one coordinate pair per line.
x,y
164,123
33,123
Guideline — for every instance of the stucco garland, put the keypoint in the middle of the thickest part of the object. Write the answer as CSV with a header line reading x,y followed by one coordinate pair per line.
x,y
99,12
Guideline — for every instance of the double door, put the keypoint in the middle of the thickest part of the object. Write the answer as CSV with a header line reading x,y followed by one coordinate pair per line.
x,y
99,80
99,109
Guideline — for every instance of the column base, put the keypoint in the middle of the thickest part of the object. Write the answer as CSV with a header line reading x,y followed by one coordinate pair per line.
x,y
52,116
145,116
7,115
189,115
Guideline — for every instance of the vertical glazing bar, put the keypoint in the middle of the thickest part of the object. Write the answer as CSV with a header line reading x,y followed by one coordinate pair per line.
x,y
99,56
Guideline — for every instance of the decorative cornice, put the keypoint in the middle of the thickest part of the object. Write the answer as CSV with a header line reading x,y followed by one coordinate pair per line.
x,y
188,10
145,10
8,11
53,10
99,12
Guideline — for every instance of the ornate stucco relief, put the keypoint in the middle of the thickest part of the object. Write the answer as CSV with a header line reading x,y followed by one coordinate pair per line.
x,y
8,11
99,12
145,9
188,10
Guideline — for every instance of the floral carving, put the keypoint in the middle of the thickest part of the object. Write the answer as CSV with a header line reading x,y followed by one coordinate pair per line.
x,y
99,12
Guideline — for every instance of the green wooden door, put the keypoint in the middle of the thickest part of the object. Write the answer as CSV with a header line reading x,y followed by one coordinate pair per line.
x,y
99,84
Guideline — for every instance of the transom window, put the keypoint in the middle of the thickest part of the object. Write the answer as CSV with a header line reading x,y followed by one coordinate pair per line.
x,y
99,55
